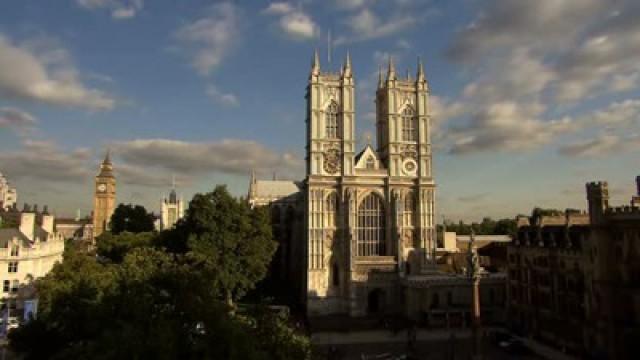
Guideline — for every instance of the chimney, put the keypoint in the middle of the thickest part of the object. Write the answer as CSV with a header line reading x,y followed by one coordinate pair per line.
x,y
27,224
47,223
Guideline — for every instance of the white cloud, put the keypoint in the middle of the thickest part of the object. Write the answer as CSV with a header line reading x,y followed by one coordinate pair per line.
x,y
506,126
41,71
602,145
507,23
120,9
229,156
620,113
293,22
16,119
279,8
45,161
220,97
209,39
366,25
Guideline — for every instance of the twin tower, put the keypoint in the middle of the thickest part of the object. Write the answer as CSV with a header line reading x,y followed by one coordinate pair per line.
x,y
369,214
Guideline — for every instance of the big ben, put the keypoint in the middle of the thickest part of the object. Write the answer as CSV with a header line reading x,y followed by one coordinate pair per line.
x,y
104,199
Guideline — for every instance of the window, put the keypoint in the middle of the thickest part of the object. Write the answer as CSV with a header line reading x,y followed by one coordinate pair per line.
x,y
331,208
15,250
371,226
409,132
331,118
15,286
5,287
409,210
13,267
371,163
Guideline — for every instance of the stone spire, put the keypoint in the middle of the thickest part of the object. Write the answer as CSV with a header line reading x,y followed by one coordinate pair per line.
x,y
315,64
107,158
346,70
391,71
252,184
380,79
106,168
420,76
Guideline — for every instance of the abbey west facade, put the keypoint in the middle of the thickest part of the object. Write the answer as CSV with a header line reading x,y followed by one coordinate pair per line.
x,y
361,224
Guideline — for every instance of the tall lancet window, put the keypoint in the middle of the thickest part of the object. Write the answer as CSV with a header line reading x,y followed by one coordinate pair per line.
x,y
332,211
409,211
371,226
409,132
331,119
409,217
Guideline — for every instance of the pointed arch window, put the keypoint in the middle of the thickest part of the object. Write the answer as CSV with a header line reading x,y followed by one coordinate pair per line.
x,y
332,210
371,226
409,132
409,211
331,121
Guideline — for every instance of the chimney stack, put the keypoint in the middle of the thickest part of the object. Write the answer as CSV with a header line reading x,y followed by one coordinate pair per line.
x,y
27,224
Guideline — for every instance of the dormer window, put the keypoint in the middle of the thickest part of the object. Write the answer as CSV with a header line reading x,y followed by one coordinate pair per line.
x,y
371,163
15,250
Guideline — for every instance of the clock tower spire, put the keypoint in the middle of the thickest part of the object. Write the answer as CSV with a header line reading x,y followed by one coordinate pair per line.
x,y
104,198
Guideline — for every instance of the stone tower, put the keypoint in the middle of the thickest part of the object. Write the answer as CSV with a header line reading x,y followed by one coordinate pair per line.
x,y
404,146
171,209
598,200
104,198
369,216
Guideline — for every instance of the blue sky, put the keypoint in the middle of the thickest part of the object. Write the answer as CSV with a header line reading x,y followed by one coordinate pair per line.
x,y
530,100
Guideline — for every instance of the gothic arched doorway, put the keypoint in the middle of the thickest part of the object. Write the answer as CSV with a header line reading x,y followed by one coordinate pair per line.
x,y
375,301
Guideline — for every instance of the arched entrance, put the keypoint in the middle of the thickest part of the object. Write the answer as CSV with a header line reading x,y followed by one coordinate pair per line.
x,y
375,301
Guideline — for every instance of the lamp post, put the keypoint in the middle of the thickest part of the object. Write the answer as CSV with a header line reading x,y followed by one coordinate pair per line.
x,y
473,272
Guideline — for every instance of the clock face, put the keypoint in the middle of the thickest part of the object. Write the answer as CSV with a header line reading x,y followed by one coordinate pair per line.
x,y
102,187
410,167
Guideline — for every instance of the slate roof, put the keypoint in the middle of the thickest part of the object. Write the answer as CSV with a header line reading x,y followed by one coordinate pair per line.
x,y
275,188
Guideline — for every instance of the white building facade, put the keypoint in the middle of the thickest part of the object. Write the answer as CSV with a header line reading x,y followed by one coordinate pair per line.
x,y
8,194
171,210
28,252
369,215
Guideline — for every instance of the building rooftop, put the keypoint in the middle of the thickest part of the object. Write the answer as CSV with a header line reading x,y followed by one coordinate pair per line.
x,y
275,188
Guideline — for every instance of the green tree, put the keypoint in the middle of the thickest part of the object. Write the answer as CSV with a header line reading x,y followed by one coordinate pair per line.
x,y
131,218
8,222
115,247
152,301
230,241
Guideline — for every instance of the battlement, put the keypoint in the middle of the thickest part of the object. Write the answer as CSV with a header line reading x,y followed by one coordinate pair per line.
x,y
597,187
626,209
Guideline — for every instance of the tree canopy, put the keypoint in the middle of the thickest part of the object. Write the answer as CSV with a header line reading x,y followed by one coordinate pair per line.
x,y
164,296
488,226
131,218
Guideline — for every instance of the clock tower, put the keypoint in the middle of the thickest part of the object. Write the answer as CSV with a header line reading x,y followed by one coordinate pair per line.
x,y
104,198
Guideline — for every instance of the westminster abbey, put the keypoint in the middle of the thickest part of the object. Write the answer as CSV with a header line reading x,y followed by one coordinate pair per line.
x,y
358,232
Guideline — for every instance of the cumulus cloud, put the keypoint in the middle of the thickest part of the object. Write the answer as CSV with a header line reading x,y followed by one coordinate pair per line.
x,y
16,119
506,126
367,25
508,23
39,70
619,113
228,156
585,47
602,145
120,9
221,97
605,59
45,161
209,39
293,22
